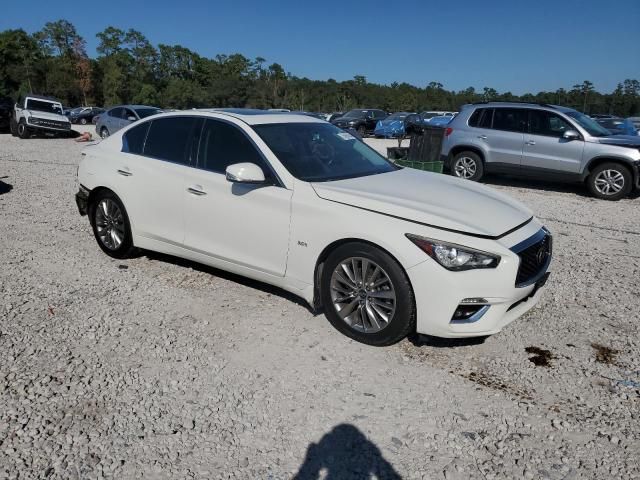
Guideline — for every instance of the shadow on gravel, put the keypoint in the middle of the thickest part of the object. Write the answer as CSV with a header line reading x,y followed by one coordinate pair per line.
x,y
536,184
345,453
428,341
5,187
247,282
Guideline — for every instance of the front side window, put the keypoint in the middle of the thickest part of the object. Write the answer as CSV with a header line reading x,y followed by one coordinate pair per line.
x,y
42,106
509,119
126,113
133,139
547,124
320,152
168,138
116,112
356,114
147,112
223,144
589,124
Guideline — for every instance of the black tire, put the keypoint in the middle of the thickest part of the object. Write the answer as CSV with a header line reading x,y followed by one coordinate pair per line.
x,y
597,181
23,130
104,133
402,321
83,121
13,126
126,247
362,131
474,170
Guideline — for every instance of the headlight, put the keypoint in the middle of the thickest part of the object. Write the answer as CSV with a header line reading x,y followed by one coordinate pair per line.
x,y
455,257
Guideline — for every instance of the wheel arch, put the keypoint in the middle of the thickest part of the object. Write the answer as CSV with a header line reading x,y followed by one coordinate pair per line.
x,y
455,150
597,161
317,274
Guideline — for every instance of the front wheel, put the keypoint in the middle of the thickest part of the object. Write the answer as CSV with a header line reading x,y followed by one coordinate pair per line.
x,y
367,295
467,165
110,225
362,131
610,181
83,121
23,130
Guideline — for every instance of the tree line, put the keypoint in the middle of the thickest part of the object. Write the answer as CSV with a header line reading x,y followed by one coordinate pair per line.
x,y
129,69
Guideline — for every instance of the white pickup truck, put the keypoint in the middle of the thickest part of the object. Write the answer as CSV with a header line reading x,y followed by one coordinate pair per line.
x,y
37,114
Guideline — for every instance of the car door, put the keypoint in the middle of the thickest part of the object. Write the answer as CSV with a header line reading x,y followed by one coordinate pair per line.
x,y
152,175
112,121
546,149
505,139
246,224
127,116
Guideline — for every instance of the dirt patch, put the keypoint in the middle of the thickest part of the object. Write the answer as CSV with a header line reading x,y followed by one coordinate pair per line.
x,y
605,354
496,383
541,357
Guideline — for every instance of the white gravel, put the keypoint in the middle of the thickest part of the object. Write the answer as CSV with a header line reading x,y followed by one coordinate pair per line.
x,y
159,368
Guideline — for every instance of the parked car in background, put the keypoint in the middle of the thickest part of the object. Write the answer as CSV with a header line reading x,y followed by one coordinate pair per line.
x,y
602,115
540,140
636,123
385,251
6,110
618,126
84,115
428,115
118,117
392,126
332,116
38,114
362,120
439,121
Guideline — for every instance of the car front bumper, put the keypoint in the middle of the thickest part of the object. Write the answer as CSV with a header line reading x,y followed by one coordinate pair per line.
x,y
439,293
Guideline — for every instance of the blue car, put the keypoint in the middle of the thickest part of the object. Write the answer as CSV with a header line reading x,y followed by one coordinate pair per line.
x,y
392,126
439,121
618,126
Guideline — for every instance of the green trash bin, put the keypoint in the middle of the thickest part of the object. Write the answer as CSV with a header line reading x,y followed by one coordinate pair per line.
x,y
424,149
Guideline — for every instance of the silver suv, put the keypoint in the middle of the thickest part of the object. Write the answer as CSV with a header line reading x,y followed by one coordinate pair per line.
x,y
544,141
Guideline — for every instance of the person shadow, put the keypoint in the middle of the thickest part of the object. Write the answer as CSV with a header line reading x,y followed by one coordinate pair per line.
x,y
345,453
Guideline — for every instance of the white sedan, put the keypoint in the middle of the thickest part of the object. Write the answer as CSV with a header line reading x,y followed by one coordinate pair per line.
x,y
296,202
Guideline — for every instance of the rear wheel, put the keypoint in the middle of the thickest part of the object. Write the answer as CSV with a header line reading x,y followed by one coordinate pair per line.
x,y
13,126
362,131
83,121
104,133
367,295
467,165
110,225
610,181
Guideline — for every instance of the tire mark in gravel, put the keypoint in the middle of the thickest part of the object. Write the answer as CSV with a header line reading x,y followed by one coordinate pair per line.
x,y
610,229
15,160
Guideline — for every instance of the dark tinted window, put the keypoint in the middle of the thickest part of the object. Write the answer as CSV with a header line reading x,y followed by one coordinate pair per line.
x,y
126,113
147,112
547,123
510,119
168,138
223,144
481,118
116,112
133,140
379,114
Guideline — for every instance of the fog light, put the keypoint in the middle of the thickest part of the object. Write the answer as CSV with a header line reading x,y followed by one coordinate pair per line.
x,y
466,313
474,301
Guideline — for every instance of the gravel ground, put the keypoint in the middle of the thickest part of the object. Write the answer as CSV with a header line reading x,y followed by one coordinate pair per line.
x,y
158,368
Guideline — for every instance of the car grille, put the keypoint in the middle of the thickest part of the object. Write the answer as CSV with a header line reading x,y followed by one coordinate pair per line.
x,y
41,122
535,257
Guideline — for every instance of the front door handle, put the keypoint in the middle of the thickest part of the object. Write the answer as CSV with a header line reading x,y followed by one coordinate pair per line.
x,y
482,137
530,142
196,190
124,172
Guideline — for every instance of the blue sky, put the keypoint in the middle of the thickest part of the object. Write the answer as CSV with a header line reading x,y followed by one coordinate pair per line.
x,y
520,46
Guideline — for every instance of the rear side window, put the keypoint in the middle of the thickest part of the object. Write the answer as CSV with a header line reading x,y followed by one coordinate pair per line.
x,y
116,112
509,119
223,144
168,138
133,139
481,118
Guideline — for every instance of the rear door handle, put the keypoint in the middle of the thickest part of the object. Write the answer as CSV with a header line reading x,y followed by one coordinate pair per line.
x,y
124,172
530,142
196,190
483,137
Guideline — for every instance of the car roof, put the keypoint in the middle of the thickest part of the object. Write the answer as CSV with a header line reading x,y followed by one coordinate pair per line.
x,y
42,97
257,117
133,106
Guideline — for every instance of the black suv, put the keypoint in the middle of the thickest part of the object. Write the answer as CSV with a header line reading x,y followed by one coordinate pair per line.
x,y
362,120
6,110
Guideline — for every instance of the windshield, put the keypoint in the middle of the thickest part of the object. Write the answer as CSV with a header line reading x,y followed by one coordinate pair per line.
x,y
355,114
321,152
589,124
147,112
43,106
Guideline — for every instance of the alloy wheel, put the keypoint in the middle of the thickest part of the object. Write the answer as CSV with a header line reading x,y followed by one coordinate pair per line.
x,y
465,167
363,294
110,224
609,182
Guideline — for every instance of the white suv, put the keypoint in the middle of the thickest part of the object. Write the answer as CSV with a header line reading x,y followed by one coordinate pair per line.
x,y
38,114
296,202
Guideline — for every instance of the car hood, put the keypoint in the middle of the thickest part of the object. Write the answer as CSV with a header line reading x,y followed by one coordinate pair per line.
x,y
48,116
433,199
631,141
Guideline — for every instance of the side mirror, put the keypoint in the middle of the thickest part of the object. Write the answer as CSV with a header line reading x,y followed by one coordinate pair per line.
x,y
131,118
244,173
571,135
